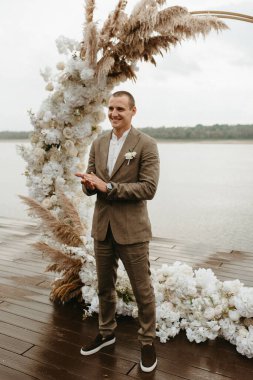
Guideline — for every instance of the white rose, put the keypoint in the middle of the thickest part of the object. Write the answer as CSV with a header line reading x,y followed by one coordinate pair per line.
x,y
47,116
209,313
60,66
49,86
218,310
70,148
47,203
87,73
54,199
234,315
68,132
46,180
39,153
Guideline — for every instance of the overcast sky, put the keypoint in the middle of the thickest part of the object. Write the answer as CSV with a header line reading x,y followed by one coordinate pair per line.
x,y
204,81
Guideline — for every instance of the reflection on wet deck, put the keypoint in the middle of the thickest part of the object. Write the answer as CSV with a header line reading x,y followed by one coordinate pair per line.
x,y
39,340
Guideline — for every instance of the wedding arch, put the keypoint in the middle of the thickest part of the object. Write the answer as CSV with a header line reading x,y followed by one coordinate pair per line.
x,y
64,127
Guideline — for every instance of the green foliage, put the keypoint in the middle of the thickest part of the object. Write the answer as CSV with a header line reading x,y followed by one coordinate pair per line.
x,y
201,132
9,135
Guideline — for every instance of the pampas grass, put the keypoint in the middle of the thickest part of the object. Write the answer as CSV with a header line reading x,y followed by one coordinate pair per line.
x,y
62,232
89,10
69,285
70,213
146,32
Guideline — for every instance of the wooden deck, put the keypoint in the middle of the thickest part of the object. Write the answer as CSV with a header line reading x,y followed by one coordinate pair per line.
x,y
39,340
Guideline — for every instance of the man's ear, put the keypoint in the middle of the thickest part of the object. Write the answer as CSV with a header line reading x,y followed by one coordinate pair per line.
x,y
134,110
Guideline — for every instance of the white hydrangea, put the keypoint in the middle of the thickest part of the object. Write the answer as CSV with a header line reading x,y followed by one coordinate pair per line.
x,y
244,302
52,136
52,169
66,45
87,74
244,342
46,73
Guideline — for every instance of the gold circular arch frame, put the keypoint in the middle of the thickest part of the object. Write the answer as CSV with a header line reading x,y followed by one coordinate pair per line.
x,y
223,14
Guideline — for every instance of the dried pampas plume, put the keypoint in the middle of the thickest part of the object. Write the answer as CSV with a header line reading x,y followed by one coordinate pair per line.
x,y
61,231
69,285
89,10
71,215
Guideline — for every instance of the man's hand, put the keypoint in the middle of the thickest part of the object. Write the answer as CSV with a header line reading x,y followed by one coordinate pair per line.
x,y
89,185
92,182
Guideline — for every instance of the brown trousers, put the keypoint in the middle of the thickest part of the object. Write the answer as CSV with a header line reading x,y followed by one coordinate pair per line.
x,y
135,258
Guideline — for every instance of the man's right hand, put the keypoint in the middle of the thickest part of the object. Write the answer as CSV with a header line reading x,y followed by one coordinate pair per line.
x,y
87,183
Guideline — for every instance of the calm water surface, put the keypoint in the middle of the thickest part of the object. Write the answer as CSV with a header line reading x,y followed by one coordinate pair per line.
x,y
205,192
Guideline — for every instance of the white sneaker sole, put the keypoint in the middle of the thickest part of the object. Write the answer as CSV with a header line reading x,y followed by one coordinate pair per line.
x,y
91,352
148,369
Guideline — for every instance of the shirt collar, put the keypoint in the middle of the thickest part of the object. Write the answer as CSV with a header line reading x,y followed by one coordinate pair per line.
x,y
123,137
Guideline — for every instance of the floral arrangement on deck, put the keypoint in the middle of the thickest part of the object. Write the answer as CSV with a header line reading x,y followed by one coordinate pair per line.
x,y
64,127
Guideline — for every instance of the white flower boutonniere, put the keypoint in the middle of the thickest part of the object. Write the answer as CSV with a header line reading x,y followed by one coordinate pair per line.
x,y
130,155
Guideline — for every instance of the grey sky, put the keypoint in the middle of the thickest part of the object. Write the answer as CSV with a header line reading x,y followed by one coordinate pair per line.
x,y
205,81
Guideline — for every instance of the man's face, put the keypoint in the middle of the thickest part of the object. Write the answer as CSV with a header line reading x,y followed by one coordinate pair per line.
x,y
119,112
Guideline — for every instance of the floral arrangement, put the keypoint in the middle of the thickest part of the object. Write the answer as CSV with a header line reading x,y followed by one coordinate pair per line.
x,y
64,127
129,156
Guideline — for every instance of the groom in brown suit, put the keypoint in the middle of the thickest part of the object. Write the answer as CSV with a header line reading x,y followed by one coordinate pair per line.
x,y
123,172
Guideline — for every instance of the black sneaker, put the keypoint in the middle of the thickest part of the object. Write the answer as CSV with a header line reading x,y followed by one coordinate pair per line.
x,y
148,358
98,343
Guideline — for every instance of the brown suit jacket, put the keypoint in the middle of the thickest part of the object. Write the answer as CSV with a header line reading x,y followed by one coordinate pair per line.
x,y
125,206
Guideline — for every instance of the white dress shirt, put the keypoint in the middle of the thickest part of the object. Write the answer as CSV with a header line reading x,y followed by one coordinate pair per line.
x,y
114,149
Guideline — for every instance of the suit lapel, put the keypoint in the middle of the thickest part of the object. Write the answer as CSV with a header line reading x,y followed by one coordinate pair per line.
x,y
129,144
104,150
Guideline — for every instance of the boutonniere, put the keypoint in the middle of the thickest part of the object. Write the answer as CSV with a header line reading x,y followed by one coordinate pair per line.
x,y
130,155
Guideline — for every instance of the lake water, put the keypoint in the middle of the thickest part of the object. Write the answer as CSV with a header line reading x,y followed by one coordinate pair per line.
x,y
205,192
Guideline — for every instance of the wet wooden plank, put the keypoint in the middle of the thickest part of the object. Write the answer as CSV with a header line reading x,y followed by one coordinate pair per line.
x,y
13,344
7,373
42,340
34,368
94,365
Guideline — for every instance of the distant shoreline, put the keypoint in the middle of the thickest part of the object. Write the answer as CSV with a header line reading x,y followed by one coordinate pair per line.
x,y
205,141
217,133
165,141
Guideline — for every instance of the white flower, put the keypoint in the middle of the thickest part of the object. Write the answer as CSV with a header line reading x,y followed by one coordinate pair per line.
x,y
47,180
60,66
54,199
39,155
47,203
232,287
47,116
46,73
130,155
87,73
68,132
244,302
52,136
52,169
49,86
66,45
234,315
244,342
70,148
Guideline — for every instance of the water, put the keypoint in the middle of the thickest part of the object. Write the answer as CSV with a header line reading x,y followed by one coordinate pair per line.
x,y
205,192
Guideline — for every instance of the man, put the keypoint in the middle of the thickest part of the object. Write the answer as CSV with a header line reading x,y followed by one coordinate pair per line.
x,y
123,171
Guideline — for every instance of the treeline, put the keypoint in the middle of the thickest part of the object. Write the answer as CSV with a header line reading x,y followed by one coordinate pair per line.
x,y
201,132
8,135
